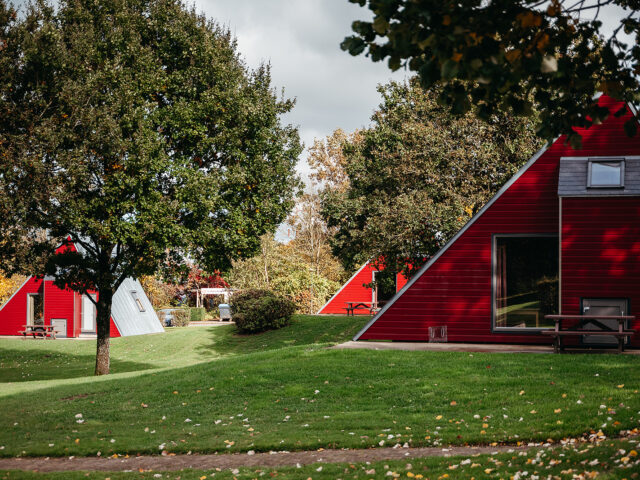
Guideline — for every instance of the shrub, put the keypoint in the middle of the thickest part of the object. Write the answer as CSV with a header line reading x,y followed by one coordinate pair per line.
x,y
161,316
180,318
197,314
259,310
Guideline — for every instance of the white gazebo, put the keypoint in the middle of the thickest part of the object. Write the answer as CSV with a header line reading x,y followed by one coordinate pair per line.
x,y
225,292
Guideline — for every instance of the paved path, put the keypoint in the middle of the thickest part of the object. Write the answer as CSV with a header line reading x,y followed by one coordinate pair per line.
x,y
470,347
228,461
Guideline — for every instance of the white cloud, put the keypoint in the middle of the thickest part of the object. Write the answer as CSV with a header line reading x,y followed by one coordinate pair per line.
x,y
301,41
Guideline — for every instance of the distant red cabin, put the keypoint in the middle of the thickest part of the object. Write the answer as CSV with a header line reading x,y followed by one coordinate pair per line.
x,y
358,289
562,236
39,302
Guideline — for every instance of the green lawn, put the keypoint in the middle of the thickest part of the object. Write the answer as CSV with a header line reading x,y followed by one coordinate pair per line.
x,y
205,390
615,460
28,360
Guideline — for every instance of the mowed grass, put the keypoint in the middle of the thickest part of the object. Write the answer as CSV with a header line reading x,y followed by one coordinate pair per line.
x,y
30,360
615,459
257,393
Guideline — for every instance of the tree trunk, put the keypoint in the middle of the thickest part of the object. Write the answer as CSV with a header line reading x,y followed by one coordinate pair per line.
x,y
105,296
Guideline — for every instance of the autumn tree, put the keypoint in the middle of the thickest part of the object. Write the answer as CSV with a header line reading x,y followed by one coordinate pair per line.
x,y
281,268
133,127
327,160
312,236
417,175
509,55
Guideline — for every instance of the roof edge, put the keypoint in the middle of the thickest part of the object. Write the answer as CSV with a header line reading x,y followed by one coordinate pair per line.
x,y
466,226
341,288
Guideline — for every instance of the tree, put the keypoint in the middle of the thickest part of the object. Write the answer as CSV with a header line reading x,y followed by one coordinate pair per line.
x,y
327,161
133,128
281,268
507,55
8,285
312,235
417,175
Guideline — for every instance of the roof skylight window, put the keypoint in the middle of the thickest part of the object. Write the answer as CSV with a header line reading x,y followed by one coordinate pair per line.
x,y
606,173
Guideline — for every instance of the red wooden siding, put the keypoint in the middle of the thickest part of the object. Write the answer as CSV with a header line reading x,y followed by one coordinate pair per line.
x,y
601,252
113,330
58,304
456,289
401,281
13,315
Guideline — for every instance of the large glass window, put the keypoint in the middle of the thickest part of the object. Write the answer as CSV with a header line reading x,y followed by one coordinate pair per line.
x,y
526,281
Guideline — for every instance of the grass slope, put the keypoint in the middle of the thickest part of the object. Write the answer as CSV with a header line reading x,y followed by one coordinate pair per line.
x,y
31,360
307,397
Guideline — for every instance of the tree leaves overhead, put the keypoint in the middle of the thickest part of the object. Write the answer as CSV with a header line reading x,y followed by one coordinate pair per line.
x,y
507,55
417,175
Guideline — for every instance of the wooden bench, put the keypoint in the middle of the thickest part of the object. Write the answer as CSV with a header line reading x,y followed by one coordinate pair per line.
x,y
558,333
557,344
38,331
353,306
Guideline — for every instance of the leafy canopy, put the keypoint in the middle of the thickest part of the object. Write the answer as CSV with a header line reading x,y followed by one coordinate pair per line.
x,y
509,55
134,127
417,175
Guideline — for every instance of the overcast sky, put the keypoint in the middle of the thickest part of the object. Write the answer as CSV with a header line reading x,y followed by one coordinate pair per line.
x,y
301,40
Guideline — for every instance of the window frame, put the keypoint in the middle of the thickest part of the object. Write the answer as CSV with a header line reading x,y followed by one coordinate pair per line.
x,y
590,163
137,301
494,281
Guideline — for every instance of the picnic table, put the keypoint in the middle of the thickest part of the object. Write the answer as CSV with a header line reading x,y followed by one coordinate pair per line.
x,y
39,331
578,330
372,307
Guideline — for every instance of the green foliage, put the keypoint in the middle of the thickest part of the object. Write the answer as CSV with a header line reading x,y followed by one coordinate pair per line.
x,y
197,314
133,127
259,310
181,317
417,175
282,269
494,55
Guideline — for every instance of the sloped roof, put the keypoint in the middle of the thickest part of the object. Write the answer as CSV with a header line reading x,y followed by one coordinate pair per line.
x,y
126,313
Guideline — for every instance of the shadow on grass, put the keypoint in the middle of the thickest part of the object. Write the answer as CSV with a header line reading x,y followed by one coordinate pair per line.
x,y
303,330
29,365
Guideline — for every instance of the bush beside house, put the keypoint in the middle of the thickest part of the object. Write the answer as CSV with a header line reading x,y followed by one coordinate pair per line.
x,y
180,318
259,310
197,314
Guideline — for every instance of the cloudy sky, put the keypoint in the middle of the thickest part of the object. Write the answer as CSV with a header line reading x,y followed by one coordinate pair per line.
x,y
301,40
